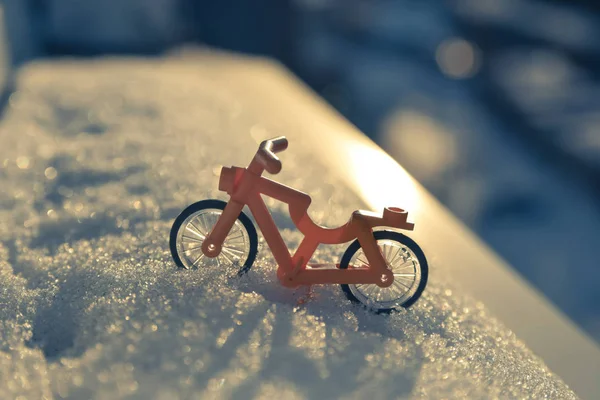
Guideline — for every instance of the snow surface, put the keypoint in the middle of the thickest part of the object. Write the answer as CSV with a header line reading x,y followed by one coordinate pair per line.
x,y
97,158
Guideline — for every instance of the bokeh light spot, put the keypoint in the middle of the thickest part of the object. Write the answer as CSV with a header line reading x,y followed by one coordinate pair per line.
x,y
23,162
457,58
50,173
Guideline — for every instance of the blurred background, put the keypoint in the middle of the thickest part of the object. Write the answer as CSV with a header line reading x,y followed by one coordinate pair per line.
x,y
493,105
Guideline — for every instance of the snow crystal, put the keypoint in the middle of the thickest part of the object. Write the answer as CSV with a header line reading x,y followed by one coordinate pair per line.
x,y
98,157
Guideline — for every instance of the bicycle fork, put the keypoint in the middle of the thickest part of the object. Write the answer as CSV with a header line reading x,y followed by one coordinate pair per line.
x,y
377,263
212,245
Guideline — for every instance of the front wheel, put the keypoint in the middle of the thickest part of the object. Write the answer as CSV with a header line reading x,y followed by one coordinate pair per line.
x,y
195,222
404,258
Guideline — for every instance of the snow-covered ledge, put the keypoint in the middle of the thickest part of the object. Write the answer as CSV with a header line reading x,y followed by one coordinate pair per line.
x,y
97,159
464,259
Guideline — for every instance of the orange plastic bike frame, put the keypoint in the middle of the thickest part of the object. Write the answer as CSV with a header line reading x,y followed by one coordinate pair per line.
x,y
245,186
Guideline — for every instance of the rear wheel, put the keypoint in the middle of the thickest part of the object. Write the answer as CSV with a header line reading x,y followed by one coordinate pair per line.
x,y
404,258
195,222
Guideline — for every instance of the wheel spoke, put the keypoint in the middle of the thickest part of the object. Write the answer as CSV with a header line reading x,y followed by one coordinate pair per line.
x,y
238,236
409,261
383,250
363,261
192,239
400,283
234,243
395,257
203,233
190,250
228,251
195,233
202,219
399,290
411,266
232,250
194,248
200,257
371,289
227,258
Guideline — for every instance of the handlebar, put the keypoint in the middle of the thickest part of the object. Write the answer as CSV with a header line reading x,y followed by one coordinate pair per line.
x,y
266,153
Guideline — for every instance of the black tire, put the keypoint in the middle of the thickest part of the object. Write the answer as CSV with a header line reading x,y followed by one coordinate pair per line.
x,y
217,205
404,240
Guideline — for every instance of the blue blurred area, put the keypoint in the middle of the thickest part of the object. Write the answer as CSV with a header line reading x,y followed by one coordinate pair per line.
x,y
494,105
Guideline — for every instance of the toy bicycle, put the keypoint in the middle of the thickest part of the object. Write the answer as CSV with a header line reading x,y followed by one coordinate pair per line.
x,y
382,268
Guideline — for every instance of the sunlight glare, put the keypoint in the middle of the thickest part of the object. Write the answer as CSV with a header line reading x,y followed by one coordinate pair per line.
x,y
424,145
372,170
